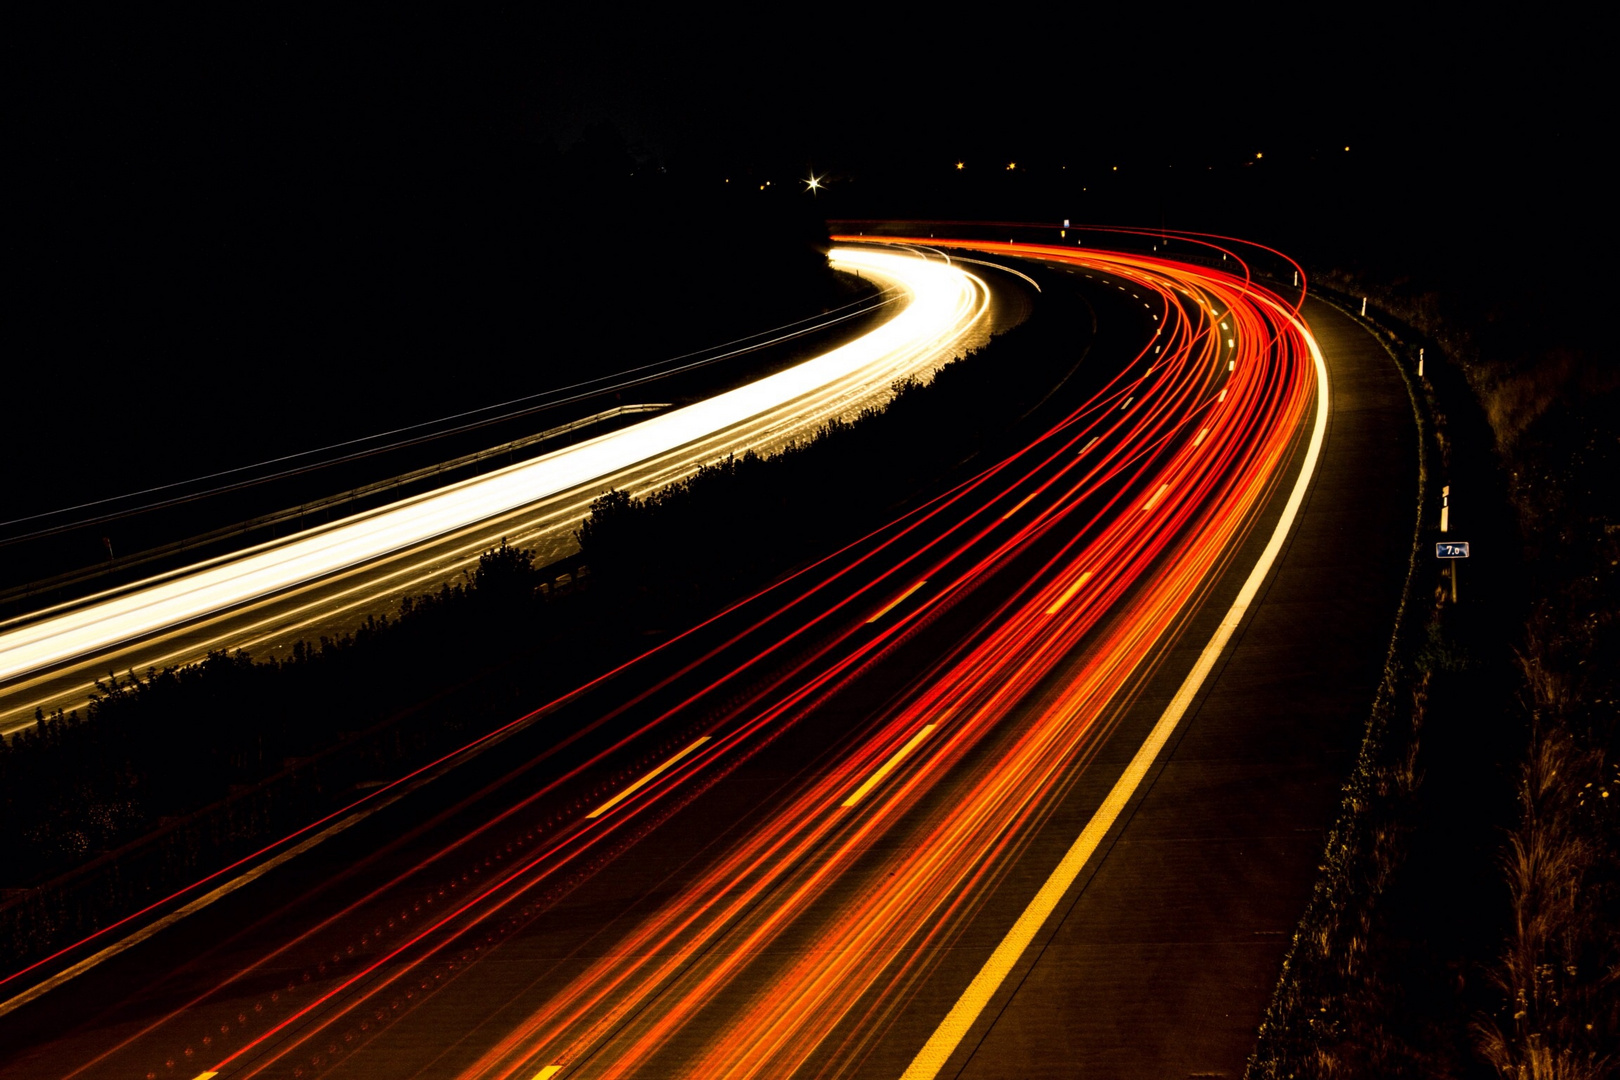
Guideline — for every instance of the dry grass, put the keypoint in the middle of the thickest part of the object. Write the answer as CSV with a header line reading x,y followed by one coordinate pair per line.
x,y
1557,976
1555,1025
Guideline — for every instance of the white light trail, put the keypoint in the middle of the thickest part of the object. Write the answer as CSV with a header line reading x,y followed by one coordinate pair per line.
x,y
944,303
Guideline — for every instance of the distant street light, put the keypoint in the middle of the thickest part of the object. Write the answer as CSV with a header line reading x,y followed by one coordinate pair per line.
x,y
814,184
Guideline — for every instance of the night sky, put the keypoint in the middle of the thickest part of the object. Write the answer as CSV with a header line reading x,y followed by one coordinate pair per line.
x,y
233,209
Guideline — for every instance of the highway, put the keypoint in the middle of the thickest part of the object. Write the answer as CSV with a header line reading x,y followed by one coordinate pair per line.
x,y
814,835
334,575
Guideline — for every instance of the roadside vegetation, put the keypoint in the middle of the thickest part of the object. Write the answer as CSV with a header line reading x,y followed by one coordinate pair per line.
x,y
168,774
1467,920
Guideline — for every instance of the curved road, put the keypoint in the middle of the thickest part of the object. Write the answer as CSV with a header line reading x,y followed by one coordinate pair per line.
x,y
832,831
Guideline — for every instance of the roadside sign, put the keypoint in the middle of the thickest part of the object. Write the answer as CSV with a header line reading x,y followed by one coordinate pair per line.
x,y
1451,549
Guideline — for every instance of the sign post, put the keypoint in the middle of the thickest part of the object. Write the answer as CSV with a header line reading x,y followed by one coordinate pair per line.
x,y
1453,550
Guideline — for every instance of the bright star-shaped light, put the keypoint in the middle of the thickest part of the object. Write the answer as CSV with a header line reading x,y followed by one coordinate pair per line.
x,y
813,184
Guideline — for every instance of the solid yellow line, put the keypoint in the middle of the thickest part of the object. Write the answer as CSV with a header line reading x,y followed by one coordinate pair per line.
x,y
1069,594
945,1039
888,766
208,1075
548,1071
892,604
645,780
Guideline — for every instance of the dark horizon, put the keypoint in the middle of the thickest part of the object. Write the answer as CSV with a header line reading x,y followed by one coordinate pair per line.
x,y
217,210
